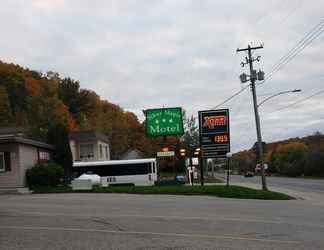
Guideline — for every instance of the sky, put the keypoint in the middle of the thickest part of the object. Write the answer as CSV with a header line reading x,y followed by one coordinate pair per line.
x,y
143,54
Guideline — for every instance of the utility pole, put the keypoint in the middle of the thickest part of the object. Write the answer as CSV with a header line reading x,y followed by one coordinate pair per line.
x,y
253,77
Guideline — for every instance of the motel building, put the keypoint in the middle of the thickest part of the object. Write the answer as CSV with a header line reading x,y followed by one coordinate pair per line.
x,y
17,154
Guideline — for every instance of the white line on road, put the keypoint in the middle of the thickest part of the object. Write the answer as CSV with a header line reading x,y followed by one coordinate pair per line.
x,y
90,230
248,220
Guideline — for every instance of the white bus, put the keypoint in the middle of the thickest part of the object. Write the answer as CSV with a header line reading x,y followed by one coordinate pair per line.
x,y
141,172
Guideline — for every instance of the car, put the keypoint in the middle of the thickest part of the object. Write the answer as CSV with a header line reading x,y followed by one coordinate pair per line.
x,y
248,174
180,179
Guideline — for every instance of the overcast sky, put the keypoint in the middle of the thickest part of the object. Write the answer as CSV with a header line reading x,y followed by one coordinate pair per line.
x,y
144,54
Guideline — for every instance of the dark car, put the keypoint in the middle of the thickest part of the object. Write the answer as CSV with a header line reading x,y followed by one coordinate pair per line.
x,y
249,174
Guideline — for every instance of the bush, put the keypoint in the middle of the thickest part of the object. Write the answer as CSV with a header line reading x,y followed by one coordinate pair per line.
x,y
290,159
49,174
315,164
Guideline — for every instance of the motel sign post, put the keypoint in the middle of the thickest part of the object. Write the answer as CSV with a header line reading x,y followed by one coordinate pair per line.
x,y
214,133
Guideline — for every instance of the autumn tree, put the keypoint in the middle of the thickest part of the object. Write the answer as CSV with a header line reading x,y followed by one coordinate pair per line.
x,y
5,109
290,158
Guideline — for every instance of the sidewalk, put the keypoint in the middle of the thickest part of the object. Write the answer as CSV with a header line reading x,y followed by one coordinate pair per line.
x,y
314,198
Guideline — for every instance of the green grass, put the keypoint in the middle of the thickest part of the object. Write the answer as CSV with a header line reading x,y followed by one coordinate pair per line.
x,y
217,190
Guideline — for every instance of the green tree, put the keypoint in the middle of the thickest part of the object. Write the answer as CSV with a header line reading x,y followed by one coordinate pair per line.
x,y
191,135
69,93
58,136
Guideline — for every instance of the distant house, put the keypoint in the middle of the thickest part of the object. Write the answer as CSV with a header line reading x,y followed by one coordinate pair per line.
x,y
132,154
89,146
17,154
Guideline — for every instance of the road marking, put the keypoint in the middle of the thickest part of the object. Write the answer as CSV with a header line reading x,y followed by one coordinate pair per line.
x,y
155,217
203,236
200,218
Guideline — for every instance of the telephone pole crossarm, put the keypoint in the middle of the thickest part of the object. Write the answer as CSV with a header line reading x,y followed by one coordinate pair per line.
x,y
249,48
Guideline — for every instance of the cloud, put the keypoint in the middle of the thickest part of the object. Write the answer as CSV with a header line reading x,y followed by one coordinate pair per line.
x,y
145,54
48,4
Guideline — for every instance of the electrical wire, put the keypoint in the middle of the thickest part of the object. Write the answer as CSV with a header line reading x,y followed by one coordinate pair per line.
x,y
316,31
299,4
232,96
299,101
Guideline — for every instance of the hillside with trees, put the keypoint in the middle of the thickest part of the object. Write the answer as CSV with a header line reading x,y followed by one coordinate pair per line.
x,y
47,104
293,157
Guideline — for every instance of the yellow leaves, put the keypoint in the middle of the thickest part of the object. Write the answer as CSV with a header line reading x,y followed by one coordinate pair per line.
x,y
292,146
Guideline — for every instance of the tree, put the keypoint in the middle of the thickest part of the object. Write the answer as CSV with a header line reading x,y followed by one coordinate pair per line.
x,y
5,109
315,163
58,135
290,159
69,93
191,135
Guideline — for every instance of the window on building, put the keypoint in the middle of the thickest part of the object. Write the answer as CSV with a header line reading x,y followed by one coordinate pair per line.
x,y
100,150
2,162
44,156
107,155
5,162
86,151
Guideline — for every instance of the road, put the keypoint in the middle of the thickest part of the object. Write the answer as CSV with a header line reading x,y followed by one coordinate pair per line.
x,y
123,221
296,184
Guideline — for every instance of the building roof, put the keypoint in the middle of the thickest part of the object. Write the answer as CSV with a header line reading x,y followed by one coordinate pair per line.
x,y
88,135
6,131
22,140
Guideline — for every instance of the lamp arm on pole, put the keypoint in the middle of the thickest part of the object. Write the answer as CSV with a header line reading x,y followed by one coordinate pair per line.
x,y
280,93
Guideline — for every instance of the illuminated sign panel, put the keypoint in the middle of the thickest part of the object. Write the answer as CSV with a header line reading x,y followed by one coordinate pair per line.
x,y
214,133
163,122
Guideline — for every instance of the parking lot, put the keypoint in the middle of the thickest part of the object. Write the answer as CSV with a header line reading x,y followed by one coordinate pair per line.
x,y
122,221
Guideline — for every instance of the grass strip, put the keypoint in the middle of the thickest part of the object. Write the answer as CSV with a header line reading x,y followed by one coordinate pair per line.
x,y
237,192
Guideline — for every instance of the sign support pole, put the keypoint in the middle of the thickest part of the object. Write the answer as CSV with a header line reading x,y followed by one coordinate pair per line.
x,y
201,163
228,171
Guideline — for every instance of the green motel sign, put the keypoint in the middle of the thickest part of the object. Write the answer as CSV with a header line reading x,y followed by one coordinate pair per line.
x,y
163,122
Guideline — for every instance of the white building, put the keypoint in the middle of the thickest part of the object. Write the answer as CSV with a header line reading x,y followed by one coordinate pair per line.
x,y
89,146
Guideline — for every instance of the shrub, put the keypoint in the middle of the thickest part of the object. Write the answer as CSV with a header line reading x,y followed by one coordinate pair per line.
x,y
290,158
49,174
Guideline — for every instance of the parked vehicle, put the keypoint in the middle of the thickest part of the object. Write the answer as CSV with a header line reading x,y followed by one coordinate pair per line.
x,y
180,179
141,172
248,174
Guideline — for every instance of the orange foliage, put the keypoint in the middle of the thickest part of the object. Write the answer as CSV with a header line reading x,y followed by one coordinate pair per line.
x,y
63,112
33,87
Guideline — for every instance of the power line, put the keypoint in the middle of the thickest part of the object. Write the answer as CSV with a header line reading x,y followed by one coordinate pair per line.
x,y
316,31
300,48
299,101
299,4
231,97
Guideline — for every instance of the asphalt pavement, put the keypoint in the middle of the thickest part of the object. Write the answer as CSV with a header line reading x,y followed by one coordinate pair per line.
x,y
297,184
124,221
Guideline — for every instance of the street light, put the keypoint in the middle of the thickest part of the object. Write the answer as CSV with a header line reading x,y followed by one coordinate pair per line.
x,y
280,93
